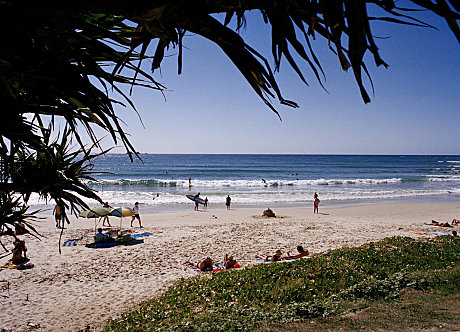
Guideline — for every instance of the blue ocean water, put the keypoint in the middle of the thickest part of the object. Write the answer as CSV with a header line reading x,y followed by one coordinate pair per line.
x,y
162,180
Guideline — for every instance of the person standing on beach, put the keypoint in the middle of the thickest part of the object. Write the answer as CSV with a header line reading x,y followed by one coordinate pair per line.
x,y
196,201
190,183
58,215
228,201
316,204
106,218
136,214
205,203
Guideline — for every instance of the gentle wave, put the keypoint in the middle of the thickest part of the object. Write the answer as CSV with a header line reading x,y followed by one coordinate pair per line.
x,y
443,178
240,183
127,198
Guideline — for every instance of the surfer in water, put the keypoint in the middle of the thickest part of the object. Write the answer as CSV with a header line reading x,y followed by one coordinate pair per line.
x,y
196,202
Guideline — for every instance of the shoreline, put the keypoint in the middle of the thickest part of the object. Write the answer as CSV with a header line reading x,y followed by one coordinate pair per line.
x,y
46,210
85,287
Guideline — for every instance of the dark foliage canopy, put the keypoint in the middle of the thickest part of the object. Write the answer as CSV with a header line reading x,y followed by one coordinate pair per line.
x,y
64,60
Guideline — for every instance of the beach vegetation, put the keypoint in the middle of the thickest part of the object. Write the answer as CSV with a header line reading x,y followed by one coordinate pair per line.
x,y
67,64
333,284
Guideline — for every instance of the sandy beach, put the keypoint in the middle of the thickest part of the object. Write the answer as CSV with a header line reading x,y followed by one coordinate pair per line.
x,y
83,287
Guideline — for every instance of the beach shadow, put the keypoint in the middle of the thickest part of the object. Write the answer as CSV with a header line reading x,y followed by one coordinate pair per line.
x,y
324,214
114,244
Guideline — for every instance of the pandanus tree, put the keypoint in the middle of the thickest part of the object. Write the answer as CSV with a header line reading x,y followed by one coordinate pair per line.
x,y
69,63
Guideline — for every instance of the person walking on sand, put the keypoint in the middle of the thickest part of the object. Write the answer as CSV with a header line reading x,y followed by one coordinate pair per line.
x,y
58,215
106,218
196,201
316,204
205,203
228,201
136,214
190,183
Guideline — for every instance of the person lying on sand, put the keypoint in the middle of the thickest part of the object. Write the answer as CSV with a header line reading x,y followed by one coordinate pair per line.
x,y
455,222
302,253
435,223
274,258
229,262
204,265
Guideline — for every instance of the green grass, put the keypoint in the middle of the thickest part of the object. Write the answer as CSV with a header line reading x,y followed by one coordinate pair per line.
x,y
289,293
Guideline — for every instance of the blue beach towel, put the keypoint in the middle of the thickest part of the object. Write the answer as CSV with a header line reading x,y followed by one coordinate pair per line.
x,y
440,233
70,243
135,236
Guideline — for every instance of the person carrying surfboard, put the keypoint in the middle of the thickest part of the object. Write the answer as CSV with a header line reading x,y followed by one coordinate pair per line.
x,y
196,201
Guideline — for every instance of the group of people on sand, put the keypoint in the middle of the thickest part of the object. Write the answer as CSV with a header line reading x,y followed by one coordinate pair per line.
x,y
207,264
228,201
277,256
455,222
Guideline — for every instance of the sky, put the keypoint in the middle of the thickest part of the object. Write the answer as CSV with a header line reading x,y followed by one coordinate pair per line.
x,y
210,108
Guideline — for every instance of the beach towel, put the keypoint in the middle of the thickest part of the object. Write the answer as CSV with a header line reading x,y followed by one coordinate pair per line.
x,y
439,233
8,265
262,261
416,232
70,243
135,236
73,242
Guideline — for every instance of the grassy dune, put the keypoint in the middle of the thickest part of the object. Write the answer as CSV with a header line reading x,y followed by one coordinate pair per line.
x,y
319,290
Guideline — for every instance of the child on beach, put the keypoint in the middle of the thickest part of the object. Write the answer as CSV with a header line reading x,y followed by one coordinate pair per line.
x,y
136,214
316,204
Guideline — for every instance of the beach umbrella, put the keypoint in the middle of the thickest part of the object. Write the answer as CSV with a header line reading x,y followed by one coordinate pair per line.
x,y
121,212
95,212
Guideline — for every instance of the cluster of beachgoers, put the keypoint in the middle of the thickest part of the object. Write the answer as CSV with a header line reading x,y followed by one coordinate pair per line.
x,y
85,285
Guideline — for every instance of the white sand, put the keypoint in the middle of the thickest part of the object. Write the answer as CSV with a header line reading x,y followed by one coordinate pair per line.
x,y
85,287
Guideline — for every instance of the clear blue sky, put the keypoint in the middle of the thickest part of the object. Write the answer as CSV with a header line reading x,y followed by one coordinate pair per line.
x,y
211,109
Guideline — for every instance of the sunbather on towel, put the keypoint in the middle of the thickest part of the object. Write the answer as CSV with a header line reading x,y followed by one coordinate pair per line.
x,y
229,262
302,253
274,258
204,265
435,223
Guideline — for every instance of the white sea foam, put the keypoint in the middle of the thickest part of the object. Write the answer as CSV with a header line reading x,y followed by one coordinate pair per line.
x,y
443,178
243,183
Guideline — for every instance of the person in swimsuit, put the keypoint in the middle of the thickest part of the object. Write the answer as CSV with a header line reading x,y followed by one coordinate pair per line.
x,y
302,253
274,258
58,216
136,214
315,204
205,265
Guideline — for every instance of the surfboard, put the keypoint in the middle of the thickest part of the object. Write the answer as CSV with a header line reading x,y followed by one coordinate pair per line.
x,y
198,199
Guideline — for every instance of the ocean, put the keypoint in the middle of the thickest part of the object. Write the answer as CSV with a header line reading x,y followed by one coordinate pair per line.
x,y
159,182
